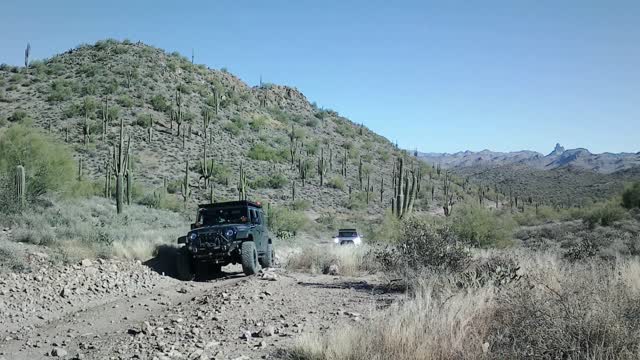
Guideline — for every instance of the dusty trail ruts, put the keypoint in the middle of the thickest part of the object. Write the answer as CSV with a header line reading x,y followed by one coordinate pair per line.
x,y
225,318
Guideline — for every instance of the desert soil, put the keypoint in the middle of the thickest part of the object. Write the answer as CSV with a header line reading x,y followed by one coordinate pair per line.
x,y
110,309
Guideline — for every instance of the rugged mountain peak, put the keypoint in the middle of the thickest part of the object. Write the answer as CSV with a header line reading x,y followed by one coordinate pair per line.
x,y
559,149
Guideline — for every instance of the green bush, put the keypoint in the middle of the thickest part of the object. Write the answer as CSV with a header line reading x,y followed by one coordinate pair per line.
x,y
258,122
125,101
60,91
336,182
159,103
144,120
283,220
425,244
266,153
480,226
18,116
604,214
49,166
277,181
631,196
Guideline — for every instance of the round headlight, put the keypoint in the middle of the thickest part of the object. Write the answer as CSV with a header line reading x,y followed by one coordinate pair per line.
x,y
192,236
229,233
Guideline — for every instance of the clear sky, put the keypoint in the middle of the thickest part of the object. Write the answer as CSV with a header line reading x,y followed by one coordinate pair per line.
x,y
440,76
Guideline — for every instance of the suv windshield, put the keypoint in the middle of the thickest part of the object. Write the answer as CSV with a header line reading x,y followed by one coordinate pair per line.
x,y
222,216
347,233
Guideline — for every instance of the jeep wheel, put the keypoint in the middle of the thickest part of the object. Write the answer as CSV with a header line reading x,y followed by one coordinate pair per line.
x,y
184,266
267,259
249,258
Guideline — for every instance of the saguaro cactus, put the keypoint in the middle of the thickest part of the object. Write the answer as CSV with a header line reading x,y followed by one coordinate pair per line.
x,y
107,177
242,184
80,169
21,186
448,202
119,166
405,189
322,167
206,120
27,52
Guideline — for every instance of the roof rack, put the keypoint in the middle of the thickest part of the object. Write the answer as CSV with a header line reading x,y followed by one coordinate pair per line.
x,y
230,203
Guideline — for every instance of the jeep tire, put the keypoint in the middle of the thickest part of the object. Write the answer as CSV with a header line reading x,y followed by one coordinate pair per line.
x,y
266,261
249,258
184,266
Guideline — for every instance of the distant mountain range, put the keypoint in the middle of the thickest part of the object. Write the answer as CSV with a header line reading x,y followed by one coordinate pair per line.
x,y
581,158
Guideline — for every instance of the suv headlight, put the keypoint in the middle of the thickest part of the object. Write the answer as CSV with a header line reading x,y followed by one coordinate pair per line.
x,y
192,237
229,233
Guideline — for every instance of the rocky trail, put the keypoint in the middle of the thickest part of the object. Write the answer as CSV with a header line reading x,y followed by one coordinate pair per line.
x,y
110,309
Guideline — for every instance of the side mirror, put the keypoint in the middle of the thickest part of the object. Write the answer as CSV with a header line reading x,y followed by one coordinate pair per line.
x,y
182,240
194,226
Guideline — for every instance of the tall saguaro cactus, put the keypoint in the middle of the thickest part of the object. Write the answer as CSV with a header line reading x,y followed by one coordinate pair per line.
x,y
322,167
448,202
119,167
206,120
27,52
242,184
21,186
107,177
405,188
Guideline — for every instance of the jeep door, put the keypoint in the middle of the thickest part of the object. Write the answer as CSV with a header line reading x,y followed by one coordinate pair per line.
x,y
258,230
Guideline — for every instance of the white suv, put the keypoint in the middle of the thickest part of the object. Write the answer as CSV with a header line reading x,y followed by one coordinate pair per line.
x,y
348,237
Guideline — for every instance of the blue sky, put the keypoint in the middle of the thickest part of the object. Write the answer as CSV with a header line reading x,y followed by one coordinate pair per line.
x,y
439,76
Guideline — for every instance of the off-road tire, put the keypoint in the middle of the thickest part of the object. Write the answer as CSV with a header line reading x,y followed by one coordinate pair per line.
x,y
249,258
184,266
266,261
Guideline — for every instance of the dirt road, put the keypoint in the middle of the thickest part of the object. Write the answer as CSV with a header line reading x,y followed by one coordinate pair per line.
x,y
126,309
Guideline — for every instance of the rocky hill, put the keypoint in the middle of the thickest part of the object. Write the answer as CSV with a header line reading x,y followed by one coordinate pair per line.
x,y
604,163
162,99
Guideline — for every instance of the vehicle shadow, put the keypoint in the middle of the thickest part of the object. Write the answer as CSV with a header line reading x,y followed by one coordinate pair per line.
x,y
164,263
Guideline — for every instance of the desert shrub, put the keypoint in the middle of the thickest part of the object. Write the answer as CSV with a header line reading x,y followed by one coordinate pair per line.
x,y
264,152
92,227
49,166
125,101
631,196
482,227
144,120
604,214
345,260
159,103
283,220
569,312
18,116
425,244
258,122
231,128
60,90
357,201
159,200
276,181
312,122
336,182
301,205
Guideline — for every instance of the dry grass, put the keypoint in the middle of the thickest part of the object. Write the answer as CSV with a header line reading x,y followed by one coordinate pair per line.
x,y
557,310
316,259
90,228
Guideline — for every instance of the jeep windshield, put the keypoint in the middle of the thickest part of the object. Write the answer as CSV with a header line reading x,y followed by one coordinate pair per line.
x,y
347,234
222,216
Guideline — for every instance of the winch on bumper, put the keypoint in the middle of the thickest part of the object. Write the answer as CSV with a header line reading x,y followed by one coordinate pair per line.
x,y
218,246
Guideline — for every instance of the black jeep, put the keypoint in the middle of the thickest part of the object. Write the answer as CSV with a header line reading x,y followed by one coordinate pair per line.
x,y
226,233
